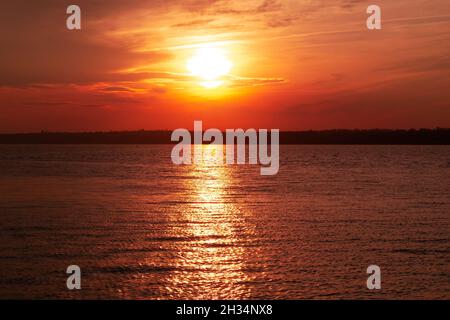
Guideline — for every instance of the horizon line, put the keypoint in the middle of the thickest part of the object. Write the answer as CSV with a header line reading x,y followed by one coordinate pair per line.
x,y
224,130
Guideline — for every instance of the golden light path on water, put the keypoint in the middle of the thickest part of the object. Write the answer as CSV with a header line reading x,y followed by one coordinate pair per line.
x,y
213,263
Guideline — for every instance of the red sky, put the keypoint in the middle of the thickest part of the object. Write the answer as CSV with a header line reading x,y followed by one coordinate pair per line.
x,y
296,65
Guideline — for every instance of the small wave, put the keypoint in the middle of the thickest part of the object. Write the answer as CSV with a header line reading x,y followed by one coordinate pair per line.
x,y
134,250
133,269
185,239
422,251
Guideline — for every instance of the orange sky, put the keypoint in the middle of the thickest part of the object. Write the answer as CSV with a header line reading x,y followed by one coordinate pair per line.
x,y
296,65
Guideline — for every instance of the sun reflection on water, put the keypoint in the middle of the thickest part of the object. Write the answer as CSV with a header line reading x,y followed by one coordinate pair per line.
x,y
211,263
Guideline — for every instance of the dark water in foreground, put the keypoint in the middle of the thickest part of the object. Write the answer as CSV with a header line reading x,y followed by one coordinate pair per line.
x,y
141,227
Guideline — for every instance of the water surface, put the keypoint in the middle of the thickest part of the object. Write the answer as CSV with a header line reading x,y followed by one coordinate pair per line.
x,y
141,227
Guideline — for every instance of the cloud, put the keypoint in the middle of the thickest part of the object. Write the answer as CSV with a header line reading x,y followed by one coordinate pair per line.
x,y
41,50
419,20
193,23
269,6
250,8
250,82
116,89
438,63
350,3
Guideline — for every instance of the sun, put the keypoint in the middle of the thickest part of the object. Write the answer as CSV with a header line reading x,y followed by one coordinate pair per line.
x,y
210,64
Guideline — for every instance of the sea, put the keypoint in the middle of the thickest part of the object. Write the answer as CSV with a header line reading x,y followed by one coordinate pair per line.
x,y
140,227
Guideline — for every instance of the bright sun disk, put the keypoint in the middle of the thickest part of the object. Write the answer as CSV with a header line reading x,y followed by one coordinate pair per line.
x,y
209,64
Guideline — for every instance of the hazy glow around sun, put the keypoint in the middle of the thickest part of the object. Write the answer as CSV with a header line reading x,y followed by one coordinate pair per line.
x,y
209,64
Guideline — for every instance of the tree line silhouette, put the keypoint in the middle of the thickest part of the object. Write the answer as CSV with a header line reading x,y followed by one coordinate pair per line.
x,y
437,136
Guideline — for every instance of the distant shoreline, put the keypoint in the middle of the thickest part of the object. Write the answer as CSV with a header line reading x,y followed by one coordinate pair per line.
x,y
438,136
